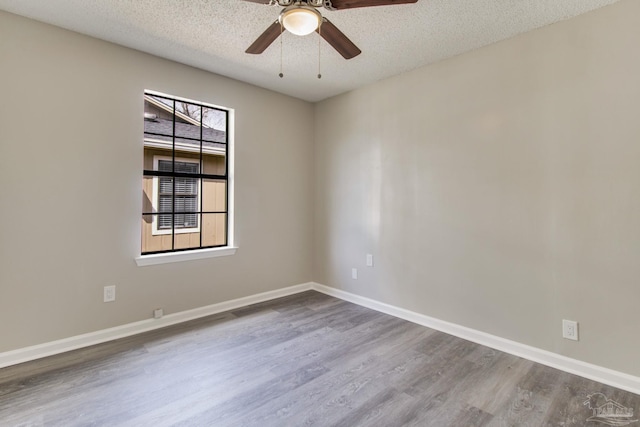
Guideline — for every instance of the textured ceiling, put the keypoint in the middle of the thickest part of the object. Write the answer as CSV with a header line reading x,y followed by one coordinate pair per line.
x,y
213,35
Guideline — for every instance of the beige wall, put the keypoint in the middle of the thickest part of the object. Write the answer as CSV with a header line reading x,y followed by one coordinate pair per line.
x,y
499,190
71,156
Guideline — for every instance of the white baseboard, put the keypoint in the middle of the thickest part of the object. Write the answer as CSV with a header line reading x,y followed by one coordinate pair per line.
x,y
26,354
587,370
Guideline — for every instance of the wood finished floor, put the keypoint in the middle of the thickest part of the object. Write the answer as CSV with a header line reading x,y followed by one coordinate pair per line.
x,y
304,360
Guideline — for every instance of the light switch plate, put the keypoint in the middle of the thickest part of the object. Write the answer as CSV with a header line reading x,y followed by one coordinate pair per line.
x,y
369,260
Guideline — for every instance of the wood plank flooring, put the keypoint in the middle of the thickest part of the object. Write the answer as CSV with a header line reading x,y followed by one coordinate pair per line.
x,y
303,360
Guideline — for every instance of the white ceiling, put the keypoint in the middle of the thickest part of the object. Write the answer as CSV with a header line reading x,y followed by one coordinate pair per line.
x,y
213,35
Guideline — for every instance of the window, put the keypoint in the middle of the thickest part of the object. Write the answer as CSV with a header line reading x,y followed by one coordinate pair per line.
x,y
185,179
186,197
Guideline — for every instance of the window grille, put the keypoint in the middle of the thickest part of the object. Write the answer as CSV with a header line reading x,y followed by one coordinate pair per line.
x,y
185,178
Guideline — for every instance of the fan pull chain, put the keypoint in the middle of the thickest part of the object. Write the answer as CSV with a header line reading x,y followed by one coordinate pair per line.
x,y
281,32
319,48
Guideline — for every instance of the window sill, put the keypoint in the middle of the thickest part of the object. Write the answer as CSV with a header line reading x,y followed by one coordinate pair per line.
x,y
154,259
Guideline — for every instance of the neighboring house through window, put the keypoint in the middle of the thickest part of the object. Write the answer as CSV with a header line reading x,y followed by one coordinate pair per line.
x,y
185,179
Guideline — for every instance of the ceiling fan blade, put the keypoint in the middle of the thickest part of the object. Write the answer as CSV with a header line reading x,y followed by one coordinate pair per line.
x,y
338,40
350,4
265,39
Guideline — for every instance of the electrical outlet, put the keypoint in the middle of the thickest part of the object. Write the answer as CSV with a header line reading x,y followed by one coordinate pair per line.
x,y
109,293
354,273
570,329
369,260
158,313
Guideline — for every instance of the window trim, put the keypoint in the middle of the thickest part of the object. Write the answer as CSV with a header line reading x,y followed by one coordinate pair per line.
x,y
200,253
186,255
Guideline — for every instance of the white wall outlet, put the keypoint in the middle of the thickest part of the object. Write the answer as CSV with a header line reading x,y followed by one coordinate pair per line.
x,y
109,293
354,273
158,313
369,260
570,329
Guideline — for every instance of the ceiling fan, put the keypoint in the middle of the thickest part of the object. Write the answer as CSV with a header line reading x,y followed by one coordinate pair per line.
x,y
301,17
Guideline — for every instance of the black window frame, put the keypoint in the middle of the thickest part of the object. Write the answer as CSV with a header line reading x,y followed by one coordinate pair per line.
x,y
200,176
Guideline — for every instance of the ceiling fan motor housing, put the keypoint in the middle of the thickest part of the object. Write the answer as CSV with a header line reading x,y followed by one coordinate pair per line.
x,y
313,3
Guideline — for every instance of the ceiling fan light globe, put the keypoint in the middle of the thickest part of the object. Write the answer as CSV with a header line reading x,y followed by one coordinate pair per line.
x,y
300,20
